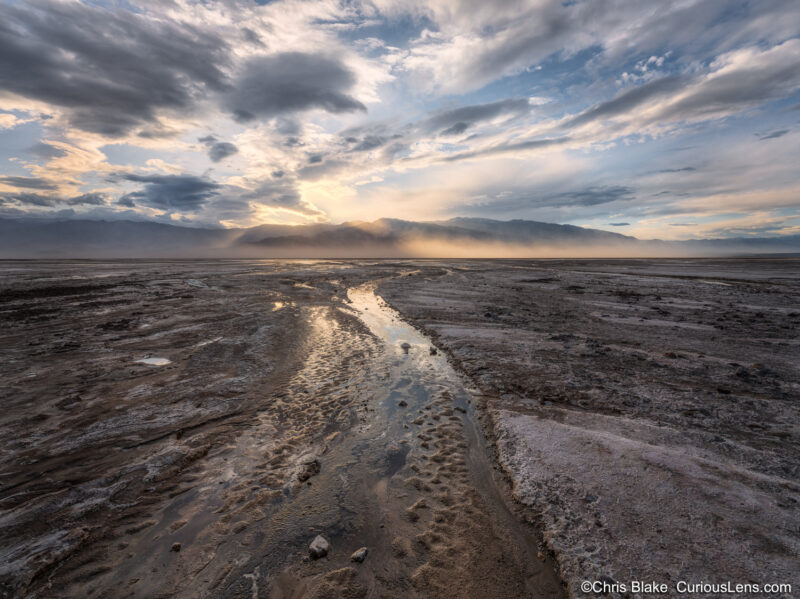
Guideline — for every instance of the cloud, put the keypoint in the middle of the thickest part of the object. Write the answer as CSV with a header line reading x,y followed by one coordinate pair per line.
x,y
221,150
506,148
111,70
628,100
618,224
174,193
218,150
27,182
456,128
474,43
45,201
774,134
283,195
289,82
683,169
8,121
739,79
457,120
92,199
46,151
369,142
734,82
592,196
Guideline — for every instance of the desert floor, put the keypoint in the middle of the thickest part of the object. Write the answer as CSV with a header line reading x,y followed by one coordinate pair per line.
x,y
485,428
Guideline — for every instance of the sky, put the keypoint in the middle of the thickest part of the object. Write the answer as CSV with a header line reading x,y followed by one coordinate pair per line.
x,y
671,119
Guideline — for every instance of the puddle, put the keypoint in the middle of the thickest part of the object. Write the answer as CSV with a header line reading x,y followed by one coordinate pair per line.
x,y
715,283
209,341
400,466
154,361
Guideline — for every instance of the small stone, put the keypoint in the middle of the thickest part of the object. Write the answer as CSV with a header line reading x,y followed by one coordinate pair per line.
x,y
175,547
406,346
308,468
402,403
359,555
319,547
433,350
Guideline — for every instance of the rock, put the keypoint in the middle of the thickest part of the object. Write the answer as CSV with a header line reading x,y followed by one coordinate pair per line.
x,y
308,468
402,403
433,350
319,547
406,346
175,547
359,555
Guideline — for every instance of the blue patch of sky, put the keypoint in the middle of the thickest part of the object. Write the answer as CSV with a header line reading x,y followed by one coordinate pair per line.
x,y
16,143
550,81
397,31
127,155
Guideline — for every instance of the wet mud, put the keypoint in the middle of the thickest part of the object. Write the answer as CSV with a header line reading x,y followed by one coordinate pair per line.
x,y
185,429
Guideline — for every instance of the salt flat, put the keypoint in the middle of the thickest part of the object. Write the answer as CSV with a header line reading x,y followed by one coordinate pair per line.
x,y
187,428
646,410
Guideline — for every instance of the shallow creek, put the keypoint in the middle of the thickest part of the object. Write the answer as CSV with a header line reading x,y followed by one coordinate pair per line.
x,y
381,443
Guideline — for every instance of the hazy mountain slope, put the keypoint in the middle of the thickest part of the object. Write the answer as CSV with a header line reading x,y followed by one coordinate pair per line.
x,y
86,239
468,237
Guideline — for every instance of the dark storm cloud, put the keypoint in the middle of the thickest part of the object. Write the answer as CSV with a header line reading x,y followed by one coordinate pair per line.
x,y
111,70
629,100
183,193
218,150
27,182
290,82
774,134
458,120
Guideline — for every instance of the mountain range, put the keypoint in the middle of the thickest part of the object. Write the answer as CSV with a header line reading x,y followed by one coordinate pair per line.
x,y
383,238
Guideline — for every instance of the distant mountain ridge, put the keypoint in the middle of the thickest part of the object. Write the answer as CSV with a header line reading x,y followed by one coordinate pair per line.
x,y
456,237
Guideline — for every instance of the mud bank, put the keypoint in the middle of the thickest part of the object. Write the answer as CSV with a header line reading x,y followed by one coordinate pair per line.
x,y
185,429
647,411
